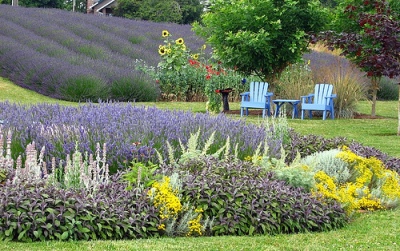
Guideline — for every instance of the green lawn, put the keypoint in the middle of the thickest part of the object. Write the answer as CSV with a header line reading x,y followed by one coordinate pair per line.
x,y
372,231
368,231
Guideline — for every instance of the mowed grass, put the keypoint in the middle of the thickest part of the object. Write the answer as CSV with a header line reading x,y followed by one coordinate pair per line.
x,y
368,231
372,231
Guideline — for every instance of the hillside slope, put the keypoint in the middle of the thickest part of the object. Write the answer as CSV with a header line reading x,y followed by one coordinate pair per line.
x,y
44,50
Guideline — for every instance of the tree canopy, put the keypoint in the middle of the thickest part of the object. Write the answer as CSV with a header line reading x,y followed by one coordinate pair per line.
x,y
261,37
174,11
368,34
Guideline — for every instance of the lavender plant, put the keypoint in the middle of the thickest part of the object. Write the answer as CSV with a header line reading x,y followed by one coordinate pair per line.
x,y
119,126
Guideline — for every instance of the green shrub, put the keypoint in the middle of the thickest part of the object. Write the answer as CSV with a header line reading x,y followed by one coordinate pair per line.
x,y
388,89
140,89
84,88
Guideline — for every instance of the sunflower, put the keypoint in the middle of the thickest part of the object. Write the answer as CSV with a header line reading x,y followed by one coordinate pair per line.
x,y
165,33
195,56
162,50
179,41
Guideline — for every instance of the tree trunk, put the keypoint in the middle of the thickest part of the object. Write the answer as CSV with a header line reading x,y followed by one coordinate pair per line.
x,y
375,87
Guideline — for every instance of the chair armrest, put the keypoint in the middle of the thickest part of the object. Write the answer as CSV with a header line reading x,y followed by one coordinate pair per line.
x,y
268,96
329,99
307,98
245,96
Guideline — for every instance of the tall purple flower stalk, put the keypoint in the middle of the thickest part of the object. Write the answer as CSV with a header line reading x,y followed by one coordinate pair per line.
x,y
119,125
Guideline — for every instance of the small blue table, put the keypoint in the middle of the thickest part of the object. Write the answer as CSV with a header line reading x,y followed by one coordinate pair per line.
x,y
294,102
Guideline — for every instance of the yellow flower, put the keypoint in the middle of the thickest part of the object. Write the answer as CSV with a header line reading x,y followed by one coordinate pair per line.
x,y
195,56
204,47
165,33
195,226
179,41
165,199
183,47
162,50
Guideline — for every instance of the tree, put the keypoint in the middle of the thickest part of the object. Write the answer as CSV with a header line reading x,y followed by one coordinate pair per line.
x,y
127,8
176,11
260,37
369,37
160,11
191,10
58,4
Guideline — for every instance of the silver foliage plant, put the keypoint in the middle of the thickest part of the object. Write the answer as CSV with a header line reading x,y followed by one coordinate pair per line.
x,y
6,162
80,171
328,162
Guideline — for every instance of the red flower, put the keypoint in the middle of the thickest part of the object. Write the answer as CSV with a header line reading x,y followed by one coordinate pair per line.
x,y
208,77
217,91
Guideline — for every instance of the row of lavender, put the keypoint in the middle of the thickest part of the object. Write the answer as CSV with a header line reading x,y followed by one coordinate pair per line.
x,y
132,132
122,127
53,51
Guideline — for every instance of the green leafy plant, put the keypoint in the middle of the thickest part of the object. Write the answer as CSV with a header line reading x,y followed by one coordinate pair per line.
x,y
257,39
141,173
184,75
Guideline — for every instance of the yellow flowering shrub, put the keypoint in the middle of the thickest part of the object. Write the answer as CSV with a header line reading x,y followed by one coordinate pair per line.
x,y
165,199
195,227
371,187
175,219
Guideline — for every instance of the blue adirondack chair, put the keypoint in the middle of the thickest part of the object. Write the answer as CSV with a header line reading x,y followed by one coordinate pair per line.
x,y
257,98
320,100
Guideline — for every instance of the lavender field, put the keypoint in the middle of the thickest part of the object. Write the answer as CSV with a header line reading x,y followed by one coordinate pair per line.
x,y
74,56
